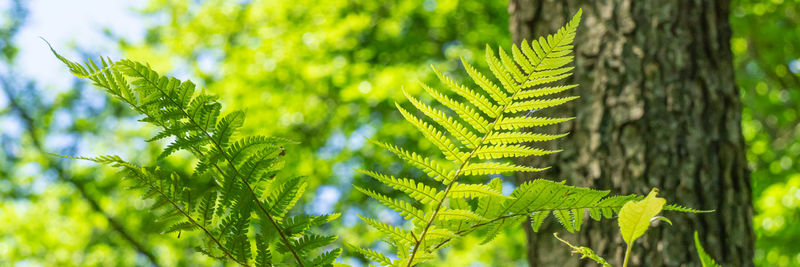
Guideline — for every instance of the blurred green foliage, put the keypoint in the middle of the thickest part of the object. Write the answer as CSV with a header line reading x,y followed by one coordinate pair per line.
x,y
766,47
326,74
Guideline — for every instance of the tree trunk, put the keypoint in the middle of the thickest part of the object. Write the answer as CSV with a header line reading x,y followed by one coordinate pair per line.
x,y
659,107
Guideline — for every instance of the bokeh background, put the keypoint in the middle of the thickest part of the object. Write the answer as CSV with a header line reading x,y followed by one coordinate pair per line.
x,y
326,75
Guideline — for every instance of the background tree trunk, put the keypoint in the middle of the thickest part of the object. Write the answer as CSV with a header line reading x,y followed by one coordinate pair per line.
x,y
659,107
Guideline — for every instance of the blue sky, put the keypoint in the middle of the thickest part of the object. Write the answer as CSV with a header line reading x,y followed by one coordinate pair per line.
x,y
68,24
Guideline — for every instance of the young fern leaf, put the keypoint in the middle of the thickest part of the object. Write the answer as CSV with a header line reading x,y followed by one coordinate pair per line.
x,y
705,259
585,252
481,141
240,169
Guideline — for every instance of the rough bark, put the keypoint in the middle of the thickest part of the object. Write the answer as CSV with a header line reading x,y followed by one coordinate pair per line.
x,y
659,107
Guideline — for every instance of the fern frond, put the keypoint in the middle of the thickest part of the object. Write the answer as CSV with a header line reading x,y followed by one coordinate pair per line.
x,y
501,73
408,211
395,234
679,208
299,224
460,190
372,255
504,138
488,86
520,59
489,142
264,255
497,225
427,165
490,139
565,218
514,123
418,191
450,151
476,99
464,111
544,91
537,218
227,127
537,104
224,212
705,259
540,194
462,133
489,207
284,195
511,66
307,243
509,151
326,258
492,168
459,215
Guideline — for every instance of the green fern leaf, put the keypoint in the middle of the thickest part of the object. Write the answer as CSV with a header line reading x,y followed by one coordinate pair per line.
x,y
537,218
326,258
501,74
222,212
489,207
418,191
705,259
465,112
509,151
492,168
488,86
511,66
459,215
494,228
543,91
307,243
285,195
491,114
264,258
405,209
476,99
395,234
565,218
459,190
462,133
425,164
520,59
505,138
299,224
227,126
514,123
435,136
372,255
537,104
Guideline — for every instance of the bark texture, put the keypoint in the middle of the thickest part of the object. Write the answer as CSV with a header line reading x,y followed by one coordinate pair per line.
x,y
659,107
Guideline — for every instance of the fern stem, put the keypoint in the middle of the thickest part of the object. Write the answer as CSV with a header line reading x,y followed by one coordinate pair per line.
x,y
233,167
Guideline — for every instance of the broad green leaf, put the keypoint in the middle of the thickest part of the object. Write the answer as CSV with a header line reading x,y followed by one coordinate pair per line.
x,y
634,217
